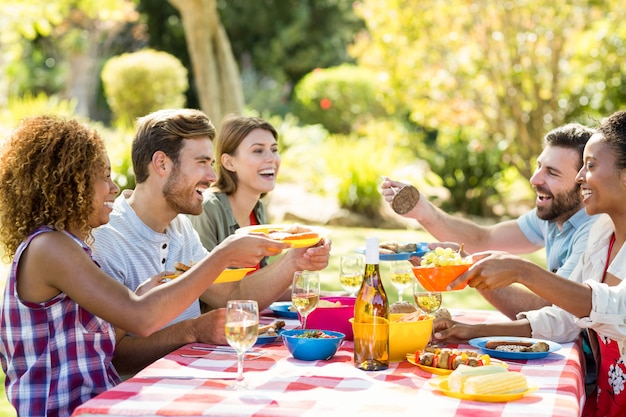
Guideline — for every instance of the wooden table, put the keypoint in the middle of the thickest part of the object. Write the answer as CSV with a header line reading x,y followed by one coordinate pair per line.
x,y
181,386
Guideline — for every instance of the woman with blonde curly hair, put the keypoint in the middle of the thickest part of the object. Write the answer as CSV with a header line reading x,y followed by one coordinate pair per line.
x,y
57,317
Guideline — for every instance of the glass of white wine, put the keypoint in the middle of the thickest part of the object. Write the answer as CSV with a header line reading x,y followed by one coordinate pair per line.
x,y
242,329
305,293
428,301
401,276
351,269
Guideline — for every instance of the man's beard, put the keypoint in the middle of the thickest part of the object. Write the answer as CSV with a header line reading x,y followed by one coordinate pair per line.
x,y
563,204
178,197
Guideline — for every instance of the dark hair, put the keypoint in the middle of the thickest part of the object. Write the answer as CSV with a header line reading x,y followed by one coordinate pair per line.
x,y
613,129
164,130
234,130
572,136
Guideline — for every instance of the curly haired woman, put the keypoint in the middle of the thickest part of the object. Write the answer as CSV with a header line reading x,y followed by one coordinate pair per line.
x,y
57,317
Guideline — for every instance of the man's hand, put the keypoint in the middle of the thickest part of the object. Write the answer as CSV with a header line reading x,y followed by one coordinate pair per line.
x,y
314,258
210,327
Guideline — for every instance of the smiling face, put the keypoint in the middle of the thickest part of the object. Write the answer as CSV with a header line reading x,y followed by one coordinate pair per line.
x,y
193,174
105,191
602,182
256,162
554,181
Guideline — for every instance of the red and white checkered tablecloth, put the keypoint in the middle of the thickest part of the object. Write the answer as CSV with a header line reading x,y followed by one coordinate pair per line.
x,y
180,386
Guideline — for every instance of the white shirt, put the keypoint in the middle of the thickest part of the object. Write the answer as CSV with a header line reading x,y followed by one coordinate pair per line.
x,y
608,314
131,252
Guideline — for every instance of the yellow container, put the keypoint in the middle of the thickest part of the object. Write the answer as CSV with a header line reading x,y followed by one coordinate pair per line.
x,y
407,337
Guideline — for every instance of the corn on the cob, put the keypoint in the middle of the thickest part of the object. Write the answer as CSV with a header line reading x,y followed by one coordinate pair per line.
x,y
464,372
501,383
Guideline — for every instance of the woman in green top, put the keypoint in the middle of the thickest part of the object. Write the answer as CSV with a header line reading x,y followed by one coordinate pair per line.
x,y
246,152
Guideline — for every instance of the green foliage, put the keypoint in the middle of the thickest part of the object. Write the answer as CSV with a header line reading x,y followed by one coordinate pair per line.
x,y
470,172
339,98
138,83
276,42
513,70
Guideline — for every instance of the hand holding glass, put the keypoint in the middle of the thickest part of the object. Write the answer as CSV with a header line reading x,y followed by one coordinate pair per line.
x,y
242,329
305,293
351,271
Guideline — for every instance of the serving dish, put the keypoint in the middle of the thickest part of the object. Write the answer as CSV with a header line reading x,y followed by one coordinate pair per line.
x,y
410,357
227,275
480,343
265,338
422,248
441,384
296,242
281,309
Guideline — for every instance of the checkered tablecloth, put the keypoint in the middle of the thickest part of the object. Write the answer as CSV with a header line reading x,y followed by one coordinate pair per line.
x,y
180,386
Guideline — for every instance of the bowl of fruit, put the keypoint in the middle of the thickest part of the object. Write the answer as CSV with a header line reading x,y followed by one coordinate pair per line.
x,y
440,267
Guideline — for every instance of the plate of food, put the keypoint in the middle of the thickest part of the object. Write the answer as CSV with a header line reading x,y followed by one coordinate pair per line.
x,y
227,275
441,384
445,361
284,309
398,251
511,347
270,332
299,236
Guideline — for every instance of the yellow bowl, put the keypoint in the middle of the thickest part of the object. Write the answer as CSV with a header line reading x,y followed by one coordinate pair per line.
x,y
407,337
437,278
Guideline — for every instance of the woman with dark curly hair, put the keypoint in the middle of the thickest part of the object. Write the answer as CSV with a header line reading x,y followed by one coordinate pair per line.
x,y
57,318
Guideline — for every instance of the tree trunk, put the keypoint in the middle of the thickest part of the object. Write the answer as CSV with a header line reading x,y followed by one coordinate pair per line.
x,y
214,67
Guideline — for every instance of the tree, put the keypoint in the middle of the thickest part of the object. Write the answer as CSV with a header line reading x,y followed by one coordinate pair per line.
x,y
275,42
215,70
511,70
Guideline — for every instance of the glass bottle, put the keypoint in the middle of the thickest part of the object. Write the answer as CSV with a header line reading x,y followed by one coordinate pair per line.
x,y
371,315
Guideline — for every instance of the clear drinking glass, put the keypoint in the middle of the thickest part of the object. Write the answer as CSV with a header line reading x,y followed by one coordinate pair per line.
x,y
351,269
242,329
305,292
401,276
427,301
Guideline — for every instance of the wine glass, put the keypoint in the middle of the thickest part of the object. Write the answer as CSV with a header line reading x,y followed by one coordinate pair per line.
x,y
351,269
401,275
305,292
242,329
428,301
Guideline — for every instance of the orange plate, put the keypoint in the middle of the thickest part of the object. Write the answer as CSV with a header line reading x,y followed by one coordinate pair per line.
x,y
437,278
295,243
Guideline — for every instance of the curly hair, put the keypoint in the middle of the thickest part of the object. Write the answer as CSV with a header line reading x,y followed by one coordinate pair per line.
x,y
234,130
47,172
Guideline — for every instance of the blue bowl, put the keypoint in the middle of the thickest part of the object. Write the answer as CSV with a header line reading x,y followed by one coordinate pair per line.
x,y
312,349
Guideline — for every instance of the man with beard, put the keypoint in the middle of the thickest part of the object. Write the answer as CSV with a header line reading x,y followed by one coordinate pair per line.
x,y
148,232
558,222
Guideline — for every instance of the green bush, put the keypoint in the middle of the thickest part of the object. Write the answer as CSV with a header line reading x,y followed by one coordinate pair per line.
x,y
139,83
339,98
470,172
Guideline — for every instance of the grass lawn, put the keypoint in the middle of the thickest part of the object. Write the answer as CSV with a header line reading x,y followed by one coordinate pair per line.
x,y
345,240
